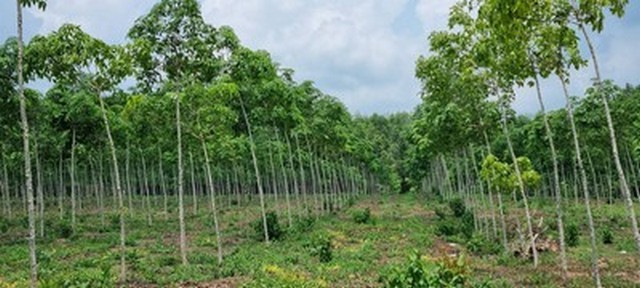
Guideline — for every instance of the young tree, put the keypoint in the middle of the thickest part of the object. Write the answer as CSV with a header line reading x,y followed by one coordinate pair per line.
x,y
41,4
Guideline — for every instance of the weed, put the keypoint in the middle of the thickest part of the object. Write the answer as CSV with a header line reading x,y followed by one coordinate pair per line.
x,y
361,216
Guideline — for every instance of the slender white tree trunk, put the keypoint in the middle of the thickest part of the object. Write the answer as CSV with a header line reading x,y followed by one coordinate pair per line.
x,y
556,177
183,237
257,171
118,187
72,171
27,155
624,186
595,271
534,250
213,201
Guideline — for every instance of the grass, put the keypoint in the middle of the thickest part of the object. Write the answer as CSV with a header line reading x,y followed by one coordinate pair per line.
x,y
361,252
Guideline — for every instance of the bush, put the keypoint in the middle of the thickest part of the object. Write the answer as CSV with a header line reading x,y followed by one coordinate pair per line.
x,y
440,213
468,226
607,236
303,224
4,225
362,216
573,234
415,274
321,247
273,227
63,229
447,227
457,207
351,201
480,245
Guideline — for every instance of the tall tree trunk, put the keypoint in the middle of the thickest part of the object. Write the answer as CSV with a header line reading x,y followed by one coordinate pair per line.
x,y
595,271
193,186
145,188
252,147
556,177
213,200
27,155
183,237
286,183
118,188
274,185
62,189
128,175
314,188
6,194
163,185
521,186
39,188
624,186
293,172
72,172
303,183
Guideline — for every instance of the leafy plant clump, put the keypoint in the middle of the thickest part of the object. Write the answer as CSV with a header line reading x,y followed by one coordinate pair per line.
x,y
460,221
607,236
362,216
573,235
63,229
322,248
458,207
273,227
417,273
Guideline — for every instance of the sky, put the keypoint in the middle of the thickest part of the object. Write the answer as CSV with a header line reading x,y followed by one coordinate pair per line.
x,y
360,51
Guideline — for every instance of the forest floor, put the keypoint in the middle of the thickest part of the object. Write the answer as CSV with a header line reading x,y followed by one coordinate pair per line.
x,y
360,253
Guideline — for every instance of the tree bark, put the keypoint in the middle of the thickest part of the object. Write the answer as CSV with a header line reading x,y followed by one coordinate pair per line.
x,y
213,200
254,159
118,188
521,186
72,172
39,189
556,177
624,186
595,271
193,186
183,237
27,155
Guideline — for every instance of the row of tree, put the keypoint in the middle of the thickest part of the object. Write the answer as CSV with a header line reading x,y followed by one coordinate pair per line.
x,y
206,118
491,49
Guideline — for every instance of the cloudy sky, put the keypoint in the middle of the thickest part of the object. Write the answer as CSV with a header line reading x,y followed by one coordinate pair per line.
x,y
361,51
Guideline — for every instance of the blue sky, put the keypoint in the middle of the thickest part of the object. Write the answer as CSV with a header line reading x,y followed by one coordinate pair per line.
x,y
361,51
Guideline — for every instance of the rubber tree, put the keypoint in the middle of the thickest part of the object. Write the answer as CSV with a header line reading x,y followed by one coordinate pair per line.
x,y
174,47
72,56
41,4
208,118
591,15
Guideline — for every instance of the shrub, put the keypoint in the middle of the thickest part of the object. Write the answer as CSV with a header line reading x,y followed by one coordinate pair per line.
x,y
303,224
362,216
457,207
479,244
447,227
63,229
573,234
351,201
468,226
440,213
321,247
273,227
4,225
415,274
607,236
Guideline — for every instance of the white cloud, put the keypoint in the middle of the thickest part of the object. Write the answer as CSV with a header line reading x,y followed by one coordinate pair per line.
x,y
106,19
351,49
